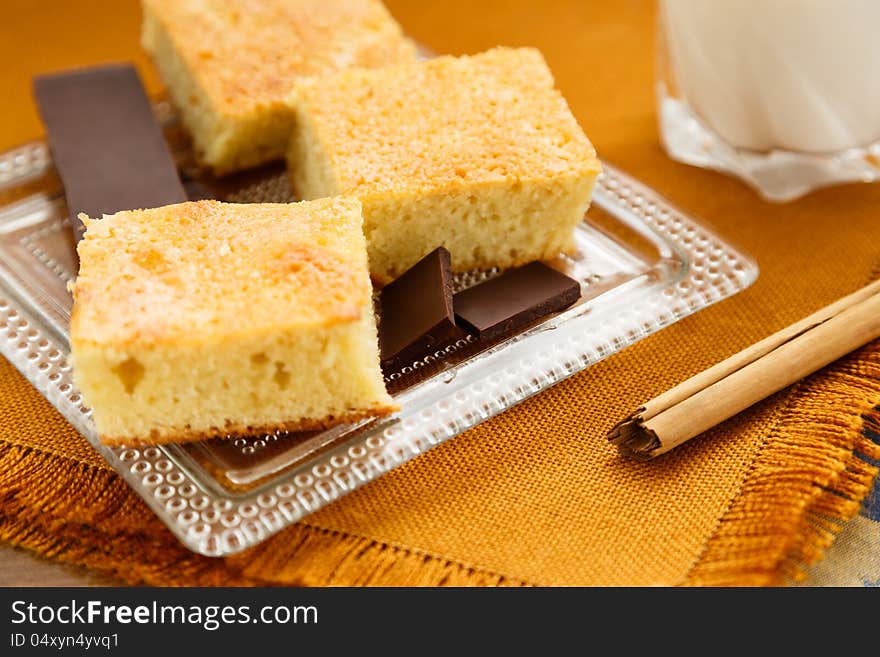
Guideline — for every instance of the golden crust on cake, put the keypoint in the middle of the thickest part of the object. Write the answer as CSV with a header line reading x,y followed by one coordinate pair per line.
x,y
446,122
480,153
230,64
204,318
225,268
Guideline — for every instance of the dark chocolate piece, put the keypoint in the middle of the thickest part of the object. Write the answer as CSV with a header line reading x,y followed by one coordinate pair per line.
x,y
108,149
514,300
416,310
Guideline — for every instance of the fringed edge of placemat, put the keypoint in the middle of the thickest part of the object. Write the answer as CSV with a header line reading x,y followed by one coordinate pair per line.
x,y
85,516
809,478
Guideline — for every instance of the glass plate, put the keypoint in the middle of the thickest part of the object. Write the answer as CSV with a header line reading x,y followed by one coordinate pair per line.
x,y
642,265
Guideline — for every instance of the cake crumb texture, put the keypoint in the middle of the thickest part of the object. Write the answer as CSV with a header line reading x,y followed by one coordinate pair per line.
x,y
478,153
230,64
204,318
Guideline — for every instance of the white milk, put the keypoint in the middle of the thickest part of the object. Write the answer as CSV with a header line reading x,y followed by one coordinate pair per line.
x,y
800,75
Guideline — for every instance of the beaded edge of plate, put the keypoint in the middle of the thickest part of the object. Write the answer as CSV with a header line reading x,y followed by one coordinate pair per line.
x,y
215,525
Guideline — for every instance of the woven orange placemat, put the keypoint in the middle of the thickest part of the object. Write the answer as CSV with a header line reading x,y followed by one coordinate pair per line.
x,y
536,495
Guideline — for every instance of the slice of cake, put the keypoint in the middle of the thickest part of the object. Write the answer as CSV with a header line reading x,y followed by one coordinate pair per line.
x,y
479,154
204,319
229,65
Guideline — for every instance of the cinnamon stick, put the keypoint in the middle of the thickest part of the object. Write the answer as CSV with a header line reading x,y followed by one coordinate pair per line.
x,y
754,373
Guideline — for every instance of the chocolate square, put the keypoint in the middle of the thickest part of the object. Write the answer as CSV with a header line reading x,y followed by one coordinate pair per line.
x,y
416,310
514,300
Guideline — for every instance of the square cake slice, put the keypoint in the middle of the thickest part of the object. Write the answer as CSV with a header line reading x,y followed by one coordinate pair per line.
x,y
204,319
229,65
479,154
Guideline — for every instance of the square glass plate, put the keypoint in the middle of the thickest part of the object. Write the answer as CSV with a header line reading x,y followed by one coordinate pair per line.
x,y
642,265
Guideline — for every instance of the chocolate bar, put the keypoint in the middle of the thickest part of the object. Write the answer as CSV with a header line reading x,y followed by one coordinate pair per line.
x,y
514,300
416,310
108,149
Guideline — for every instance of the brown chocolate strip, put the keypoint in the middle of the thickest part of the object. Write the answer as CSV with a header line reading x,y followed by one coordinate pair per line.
x,y
416,310
514,300
109,151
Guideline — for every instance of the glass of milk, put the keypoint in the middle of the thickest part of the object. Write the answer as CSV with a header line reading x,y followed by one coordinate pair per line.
x,y
784,94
